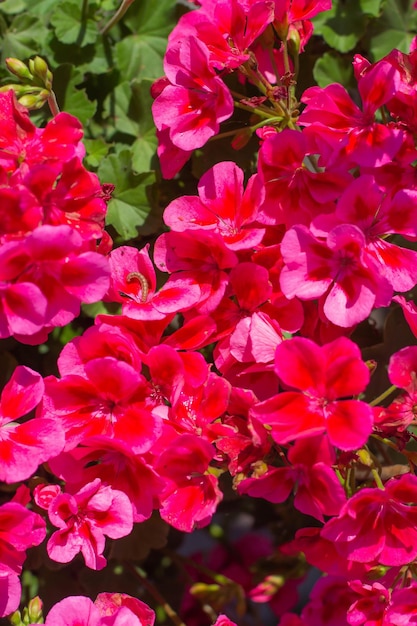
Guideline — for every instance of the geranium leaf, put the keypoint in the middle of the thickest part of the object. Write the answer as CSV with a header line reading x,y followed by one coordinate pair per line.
x,y
140,54
129,206
70,27
23,38
332,68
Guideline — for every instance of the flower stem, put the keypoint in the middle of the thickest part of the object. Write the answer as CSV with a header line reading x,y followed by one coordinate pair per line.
x,y
383,395
53,104
117,16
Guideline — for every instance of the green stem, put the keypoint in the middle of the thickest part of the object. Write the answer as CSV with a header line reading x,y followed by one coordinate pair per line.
x,y
246,107
377,478
53,104
383,395
117,16
84,8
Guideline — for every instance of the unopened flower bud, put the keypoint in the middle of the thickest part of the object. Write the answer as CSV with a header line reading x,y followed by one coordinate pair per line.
x,y
35,610
40,69
19,69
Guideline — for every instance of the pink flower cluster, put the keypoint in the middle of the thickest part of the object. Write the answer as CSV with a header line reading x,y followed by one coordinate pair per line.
x,y
274,274
51,218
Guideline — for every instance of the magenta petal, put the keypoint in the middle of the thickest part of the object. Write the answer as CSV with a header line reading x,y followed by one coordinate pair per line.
x,y
287,416
300,364
74,611
22,393
349,423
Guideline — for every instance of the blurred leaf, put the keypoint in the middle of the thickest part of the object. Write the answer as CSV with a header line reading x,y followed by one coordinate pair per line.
x,y
342,26
71,99
140,55
129,206
96,150
11,7
130,107
333,68
372,7
69,26
395,29
23,38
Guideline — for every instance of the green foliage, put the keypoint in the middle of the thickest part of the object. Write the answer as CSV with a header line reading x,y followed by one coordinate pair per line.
x,y
370,27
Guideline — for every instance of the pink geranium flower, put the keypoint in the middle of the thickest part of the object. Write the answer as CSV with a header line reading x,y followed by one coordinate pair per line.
x,y
43,280
22,145
378,524
133,282
109,399
24,446
222,206
108,609
84,519
20,529
326,376
195,101
337,270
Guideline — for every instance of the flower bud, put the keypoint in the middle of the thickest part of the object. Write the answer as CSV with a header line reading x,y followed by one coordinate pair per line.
x,y
35,611
19,69
40,69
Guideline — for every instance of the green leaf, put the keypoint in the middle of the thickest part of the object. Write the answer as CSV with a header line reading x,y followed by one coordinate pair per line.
x,y
140,55
144,151
371,7
129,206
130,105
396,28
333,68
71,99
70,27
342,26
23,38
41,8
96,150
12,7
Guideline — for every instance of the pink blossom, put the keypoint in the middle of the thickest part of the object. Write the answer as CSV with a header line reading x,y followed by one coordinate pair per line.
x,y
116,465
108,609
369,608
338,270
20,529
23,145
24,446
294,188
133,282
84,519
195,101
200,257
318,491
332,112
109,399
329,603
223,206
378,524
324,374
191,495
403,608
44,278
223,620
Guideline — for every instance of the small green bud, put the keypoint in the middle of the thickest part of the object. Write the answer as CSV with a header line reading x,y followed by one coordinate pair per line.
x,y
35,611
16,619
34,101
40,70
19,69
